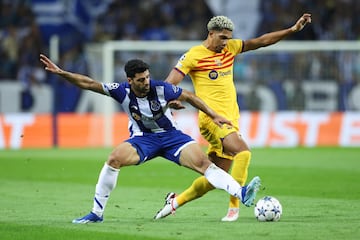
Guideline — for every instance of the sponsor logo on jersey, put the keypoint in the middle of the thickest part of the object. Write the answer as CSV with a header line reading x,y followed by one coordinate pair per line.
x,y
223,74
213,74
155,117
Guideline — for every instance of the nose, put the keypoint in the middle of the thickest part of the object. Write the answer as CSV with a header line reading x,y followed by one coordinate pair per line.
x,y
147,81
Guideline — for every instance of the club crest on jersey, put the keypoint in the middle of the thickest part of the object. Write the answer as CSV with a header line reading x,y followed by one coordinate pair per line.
x,y
155,105
213,74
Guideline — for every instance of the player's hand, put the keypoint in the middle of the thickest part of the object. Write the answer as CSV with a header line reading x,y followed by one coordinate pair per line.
x,y
176,104
49,65
220,121
300,24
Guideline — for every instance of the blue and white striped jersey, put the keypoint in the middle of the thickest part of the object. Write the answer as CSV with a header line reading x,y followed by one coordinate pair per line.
x,y
149,114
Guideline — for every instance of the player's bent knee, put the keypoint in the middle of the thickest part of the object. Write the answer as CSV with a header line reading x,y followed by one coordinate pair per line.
x,y
199,165
113,162
203,164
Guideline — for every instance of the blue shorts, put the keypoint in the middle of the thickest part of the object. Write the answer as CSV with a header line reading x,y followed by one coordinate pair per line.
x,y
166,144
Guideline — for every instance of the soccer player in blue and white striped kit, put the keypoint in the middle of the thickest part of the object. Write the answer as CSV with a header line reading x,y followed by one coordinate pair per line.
x,y
153,132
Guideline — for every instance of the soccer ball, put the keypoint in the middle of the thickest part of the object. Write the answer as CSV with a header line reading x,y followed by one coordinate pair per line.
x,y
268,209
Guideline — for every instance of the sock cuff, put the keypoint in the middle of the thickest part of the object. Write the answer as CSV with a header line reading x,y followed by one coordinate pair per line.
x,y
212,166
246,152
111,168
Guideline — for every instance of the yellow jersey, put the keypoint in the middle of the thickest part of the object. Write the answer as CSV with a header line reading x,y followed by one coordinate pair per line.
x,y
212,76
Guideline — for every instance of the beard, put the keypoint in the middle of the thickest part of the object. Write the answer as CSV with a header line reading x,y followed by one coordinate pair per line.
x,y
218,49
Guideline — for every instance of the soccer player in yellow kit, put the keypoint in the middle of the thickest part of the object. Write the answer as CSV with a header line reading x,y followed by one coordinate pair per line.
x,y
210,66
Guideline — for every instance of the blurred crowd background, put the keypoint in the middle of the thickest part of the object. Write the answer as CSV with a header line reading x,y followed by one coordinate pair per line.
x,y
26,27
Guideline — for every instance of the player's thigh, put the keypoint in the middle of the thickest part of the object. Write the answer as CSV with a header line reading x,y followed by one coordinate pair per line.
x,y
192,156
123,155
233,143
224,141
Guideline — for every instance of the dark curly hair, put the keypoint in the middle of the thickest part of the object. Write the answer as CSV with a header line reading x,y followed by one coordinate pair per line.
x,y
135,66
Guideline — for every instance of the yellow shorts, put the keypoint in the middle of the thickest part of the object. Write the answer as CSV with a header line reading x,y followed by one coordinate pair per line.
x,y
214,134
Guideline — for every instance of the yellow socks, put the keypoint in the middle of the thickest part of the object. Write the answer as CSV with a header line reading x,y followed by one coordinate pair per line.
x,y
199,187
239,172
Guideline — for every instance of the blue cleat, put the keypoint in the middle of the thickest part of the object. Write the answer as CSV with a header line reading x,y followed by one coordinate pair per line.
x,y
248,192
90,218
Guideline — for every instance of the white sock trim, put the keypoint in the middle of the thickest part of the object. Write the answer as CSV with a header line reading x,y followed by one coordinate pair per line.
x,y
222,180
106,183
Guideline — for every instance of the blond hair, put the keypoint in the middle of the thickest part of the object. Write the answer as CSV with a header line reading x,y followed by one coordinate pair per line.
x,y
219,23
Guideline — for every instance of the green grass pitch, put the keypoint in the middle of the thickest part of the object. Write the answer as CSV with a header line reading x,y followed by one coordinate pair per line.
x,y
41,191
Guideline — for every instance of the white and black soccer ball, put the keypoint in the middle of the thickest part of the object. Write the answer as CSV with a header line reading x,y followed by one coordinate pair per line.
x,y
268,209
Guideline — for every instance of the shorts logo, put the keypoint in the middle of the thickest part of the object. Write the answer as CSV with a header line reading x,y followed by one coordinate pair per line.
x,y
213,74
154,105
175,88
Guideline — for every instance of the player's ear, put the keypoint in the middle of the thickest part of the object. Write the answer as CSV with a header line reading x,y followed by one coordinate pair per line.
x,y
129,80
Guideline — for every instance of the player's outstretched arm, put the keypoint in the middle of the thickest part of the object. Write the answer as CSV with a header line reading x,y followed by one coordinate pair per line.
x,y
301,22
79,80
174,77
196,102
274,37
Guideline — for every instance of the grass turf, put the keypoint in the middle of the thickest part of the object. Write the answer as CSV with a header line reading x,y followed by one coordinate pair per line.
x,y
41,191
